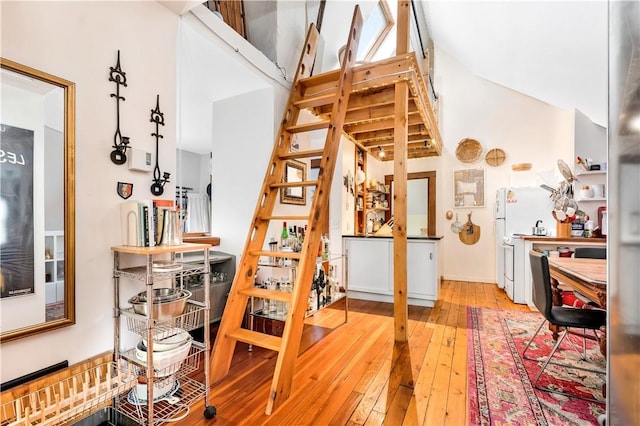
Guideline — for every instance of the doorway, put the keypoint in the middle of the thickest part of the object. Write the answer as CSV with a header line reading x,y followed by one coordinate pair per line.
x,y
421,202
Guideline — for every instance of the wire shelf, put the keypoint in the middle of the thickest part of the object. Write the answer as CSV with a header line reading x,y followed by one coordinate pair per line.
x,y
169,409
189,320
140,272
69,398
190,364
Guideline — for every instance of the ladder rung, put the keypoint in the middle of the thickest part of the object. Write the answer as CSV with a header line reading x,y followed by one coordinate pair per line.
x,y
294,184
302,154
303,218
263,293
314,101
291,255
309,127
254,338
324,78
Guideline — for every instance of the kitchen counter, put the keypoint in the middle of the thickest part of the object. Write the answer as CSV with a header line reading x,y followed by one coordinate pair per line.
x,y
409,237
536,238
370,262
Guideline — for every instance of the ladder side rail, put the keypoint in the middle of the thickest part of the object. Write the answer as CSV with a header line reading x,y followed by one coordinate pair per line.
x,y
283,374
224,346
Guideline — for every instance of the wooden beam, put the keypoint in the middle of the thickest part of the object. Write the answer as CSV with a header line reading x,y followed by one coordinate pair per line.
x,y
400,300
402,34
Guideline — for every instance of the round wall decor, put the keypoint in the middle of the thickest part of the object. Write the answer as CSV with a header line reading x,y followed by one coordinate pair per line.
x,y
495,157
468,150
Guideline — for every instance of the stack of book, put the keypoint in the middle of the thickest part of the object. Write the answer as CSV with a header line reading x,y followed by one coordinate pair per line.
x,y
141,221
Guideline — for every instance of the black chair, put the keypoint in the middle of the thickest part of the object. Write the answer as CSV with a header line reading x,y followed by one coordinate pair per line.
x,y
565,317
591,252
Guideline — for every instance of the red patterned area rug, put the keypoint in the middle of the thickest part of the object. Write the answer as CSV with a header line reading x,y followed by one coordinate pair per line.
x,y
501,388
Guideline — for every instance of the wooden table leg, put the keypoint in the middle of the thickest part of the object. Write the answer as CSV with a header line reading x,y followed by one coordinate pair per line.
x,y
556,295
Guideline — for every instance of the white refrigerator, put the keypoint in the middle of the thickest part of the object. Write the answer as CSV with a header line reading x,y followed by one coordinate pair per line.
x,y
516,212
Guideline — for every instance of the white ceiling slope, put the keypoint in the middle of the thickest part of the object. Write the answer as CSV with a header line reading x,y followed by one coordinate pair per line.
x,y
554,51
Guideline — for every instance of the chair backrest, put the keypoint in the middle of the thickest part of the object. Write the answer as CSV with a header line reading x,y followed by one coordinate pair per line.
x,y
542,297
591,252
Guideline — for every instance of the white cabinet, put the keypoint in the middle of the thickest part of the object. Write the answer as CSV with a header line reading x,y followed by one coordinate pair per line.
x,y
370,269
368,265
54,266
422,270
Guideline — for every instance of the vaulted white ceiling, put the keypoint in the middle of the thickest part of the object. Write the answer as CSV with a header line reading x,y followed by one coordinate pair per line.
x,y
555,51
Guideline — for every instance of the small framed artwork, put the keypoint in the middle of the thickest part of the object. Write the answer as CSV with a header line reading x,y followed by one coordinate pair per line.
x,y
468,188
295,171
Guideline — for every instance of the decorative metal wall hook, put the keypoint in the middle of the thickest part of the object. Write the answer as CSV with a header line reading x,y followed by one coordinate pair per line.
x,y
157,188
120,143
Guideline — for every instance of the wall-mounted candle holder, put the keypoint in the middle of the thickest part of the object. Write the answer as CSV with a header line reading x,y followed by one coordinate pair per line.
x,y
120,143
157,188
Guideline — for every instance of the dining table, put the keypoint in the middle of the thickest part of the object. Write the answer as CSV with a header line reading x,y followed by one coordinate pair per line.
x,y
586,276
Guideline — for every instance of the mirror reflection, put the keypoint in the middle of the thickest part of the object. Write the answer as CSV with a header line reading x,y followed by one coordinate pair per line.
x,y
36,201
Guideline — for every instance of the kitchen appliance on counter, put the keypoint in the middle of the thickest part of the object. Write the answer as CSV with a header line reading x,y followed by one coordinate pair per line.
x,y
517,212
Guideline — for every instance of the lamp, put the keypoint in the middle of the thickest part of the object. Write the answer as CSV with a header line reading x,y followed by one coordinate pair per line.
x,y
381,153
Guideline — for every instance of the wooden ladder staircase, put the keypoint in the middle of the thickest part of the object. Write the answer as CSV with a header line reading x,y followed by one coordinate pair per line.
x,y
306,92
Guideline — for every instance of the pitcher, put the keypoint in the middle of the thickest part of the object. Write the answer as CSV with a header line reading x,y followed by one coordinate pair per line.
x,y
171,229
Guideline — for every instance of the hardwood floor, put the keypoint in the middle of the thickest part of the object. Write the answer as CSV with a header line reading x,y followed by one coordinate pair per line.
x,y
355,374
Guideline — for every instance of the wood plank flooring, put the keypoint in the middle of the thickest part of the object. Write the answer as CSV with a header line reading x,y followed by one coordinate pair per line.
x,y
355,374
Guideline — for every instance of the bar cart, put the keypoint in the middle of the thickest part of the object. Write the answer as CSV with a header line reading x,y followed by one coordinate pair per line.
x,y
166,356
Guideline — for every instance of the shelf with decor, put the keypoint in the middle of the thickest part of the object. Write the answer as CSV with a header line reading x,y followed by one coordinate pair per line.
x,y
360,191
327,288
590,192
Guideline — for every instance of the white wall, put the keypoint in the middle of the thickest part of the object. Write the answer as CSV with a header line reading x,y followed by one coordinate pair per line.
x,y
241,153
527,129
78,41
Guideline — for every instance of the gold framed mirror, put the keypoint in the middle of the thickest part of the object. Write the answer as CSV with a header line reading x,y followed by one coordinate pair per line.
x,y
37,201
294,171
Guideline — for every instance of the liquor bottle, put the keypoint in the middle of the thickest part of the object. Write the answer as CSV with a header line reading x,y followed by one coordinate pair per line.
x,y
325,247
284,236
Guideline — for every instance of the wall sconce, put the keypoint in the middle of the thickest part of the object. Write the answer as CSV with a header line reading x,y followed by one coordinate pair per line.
x,y
381,153
157,188
120,143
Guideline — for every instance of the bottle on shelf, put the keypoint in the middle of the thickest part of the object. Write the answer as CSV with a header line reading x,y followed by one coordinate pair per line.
x,y
325,247
284,236
273,246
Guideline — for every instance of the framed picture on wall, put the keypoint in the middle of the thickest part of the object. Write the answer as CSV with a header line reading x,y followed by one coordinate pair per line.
x,y
468,188
295,171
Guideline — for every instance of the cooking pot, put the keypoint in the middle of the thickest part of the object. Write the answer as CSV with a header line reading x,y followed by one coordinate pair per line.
x,y
163,308
564,252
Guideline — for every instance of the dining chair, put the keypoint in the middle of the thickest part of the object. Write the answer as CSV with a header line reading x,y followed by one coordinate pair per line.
x,y
561,316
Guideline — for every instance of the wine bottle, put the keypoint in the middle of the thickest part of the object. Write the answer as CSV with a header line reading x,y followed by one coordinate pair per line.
x,y
284,236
